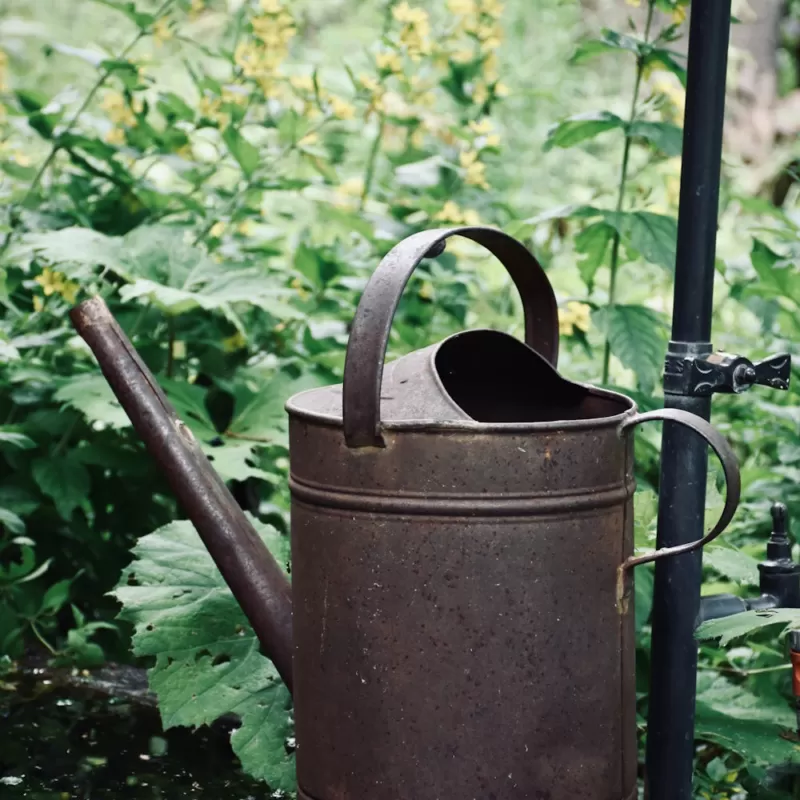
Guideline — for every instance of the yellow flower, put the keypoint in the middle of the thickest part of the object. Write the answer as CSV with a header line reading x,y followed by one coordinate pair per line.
x,y
235,95
416,30
303,83
38,303
162,32
275,32
501,90
352,187
69,291
575,315
481,127
271,6
211,108
116,136
389,62
492,8
309,139
462,8
3,71
53,282
342,109
463,56
117,110
490,36
217,229
235,342
474,170
455,215
245,228
198,6
679,15
480,93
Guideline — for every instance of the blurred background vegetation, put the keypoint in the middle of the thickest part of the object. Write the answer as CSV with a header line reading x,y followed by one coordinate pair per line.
x,y
226,174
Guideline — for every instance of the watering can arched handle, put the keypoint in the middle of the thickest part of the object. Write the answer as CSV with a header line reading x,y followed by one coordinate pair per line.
x,y
369,336
730,468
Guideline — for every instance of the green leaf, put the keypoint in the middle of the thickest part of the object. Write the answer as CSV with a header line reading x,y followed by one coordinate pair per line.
x,y
758,741
12,522
207,659
732,564
64,479
92,396
593,242
654,236
608,42
574,130
636,336
729,628
658,57
130,10
777,275
246,154
664,136
12,438
55,597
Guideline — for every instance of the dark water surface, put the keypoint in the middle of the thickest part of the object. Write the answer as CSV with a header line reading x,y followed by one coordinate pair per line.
x,y
58,744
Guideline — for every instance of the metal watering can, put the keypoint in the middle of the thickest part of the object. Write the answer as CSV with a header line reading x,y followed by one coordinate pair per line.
x,y
460,621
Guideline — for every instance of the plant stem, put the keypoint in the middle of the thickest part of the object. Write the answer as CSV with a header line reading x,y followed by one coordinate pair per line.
x,y
623,183
375,150
98,84
41,638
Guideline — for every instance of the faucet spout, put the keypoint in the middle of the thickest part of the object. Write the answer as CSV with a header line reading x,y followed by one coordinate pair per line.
x,y
255,578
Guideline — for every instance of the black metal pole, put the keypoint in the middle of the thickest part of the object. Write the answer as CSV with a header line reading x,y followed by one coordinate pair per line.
x,y
684,459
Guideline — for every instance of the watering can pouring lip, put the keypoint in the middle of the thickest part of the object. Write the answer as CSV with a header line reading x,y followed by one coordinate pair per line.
x,y
258,583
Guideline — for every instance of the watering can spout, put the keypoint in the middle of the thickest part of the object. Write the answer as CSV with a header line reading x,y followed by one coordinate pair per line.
x,y
255,578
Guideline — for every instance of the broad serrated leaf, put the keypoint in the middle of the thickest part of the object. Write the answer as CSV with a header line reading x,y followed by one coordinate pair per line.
x,y
208,662
654,236
260,414
64,479
593,242
758,741
732,564
581,127
664,136
246,154
729,628
637,338
92,396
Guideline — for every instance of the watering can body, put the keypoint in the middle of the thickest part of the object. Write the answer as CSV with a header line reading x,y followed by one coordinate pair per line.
x,y
461,621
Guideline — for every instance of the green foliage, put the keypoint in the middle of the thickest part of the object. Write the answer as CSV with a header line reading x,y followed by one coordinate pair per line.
x,y
229,200
207,659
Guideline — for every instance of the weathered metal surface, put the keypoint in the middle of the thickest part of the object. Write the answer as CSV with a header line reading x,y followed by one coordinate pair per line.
x,y
370,330
256,580
460,523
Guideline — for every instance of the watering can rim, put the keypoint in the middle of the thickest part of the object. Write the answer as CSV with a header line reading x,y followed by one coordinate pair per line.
x,y
294,407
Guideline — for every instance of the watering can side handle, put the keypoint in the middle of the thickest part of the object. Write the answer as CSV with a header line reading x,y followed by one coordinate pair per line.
x,y
730,468
369,336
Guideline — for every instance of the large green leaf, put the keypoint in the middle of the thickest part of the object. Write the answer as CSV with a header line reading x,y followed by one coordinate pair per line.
x,y
592,242
637,338
64,479
245,153
9,437
664,136
581,127
730,715
729,628
92,396
732,564
207,659
159,264
654,236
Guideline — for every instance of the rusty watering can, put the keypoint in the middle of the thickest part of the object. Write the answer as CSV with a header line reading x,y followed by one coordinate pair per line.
x,y
460,624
